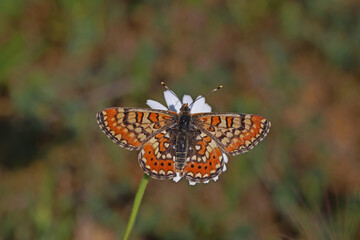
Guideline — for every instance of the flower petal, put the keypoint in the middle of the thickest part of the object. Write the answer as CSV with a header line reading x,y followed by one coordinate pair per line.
x,y
155,105
192,183
172,101
177,178
206,108
224,168
225,161
200,106
187,99
225,158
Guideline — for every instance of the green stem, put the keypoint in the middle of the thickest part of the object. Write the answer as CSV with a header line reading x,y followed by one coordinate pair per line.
x,y
137,202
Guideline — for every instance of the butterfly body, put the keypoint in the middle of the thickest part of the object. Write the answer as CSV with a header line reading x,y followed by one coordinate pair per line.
x,y
182,145
183,131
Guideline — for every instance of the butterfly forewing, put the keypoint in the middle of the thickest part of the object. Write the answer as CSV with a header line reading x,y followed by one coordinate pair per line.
x,y
131,128
234,133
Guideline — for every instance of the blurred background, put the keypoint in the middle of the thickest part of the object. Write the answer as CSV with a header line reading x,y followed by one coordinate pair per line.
x,y
294,62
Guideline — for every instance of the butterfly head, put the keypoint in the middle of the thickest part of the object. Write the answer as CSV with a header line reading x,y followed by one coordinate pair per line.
x,y
185,109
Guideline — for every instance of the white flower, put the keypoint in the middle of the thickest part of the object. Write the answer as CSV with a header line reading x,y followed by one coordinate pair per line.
x,y
174,104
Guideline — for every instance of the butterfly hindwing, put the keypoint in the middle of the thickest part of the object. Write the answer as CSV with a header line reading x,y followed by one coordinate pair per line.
x,y
234,133
157,156
205,159
132,127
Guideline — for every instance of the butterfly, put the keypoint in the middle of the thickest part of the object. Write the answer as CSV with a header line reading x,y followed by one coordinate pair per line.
x,y
182,144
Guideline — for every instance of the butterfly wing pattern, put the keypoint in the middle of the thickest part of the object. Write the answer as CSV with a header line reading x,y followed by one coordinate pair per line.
x,y
234,133
156,157
205,159
135,128
132,127
208,137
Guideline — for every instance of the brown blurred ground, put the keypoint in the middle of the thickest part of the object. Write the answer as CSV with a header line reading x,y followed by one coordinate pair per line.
x,y
294,62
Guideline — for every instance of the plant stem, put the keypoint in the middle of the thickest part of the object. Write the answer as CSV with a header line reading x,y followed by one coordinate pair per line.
x,y
136,206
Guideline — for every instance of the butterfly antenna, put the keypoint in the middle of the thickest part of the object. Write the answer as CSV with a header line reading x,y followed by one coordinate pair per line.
x,y
211,91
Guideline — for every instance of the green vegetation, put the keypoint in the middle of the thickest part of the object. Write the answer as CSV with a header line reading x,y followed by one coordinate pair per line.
x,y
293,62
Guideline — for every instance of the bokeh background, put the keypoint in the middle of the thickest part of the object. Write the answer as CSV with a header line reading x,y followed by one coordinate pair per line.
x,y
295,62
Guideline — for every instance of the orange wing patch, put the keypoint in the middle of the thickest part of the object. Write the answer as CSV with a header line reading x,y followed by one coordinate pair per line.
x,y
235,133
132,127
157,157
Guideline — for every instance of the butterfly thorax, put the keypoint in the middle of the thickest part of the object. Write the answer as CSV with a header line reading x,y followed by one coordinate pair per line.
x,y
182,139
184,119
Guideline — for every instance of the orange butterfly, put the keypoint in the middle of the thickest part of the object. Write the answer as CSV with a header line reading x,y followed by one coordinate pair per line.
x,y
185,141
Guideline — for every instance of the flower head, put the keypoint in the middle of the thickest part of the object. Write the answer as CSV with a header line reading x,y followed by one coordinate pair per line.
x,y
174,104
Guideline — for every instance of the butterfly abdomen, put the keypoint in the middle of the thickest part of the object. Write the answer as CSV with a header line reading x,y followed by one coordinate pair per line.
x,y
181,150
182,143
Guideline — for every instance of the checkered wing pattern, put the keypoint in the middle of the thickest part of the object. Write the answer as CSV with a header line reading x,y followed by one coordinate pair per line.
x,y
234,133
205,160
156,158
131,128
